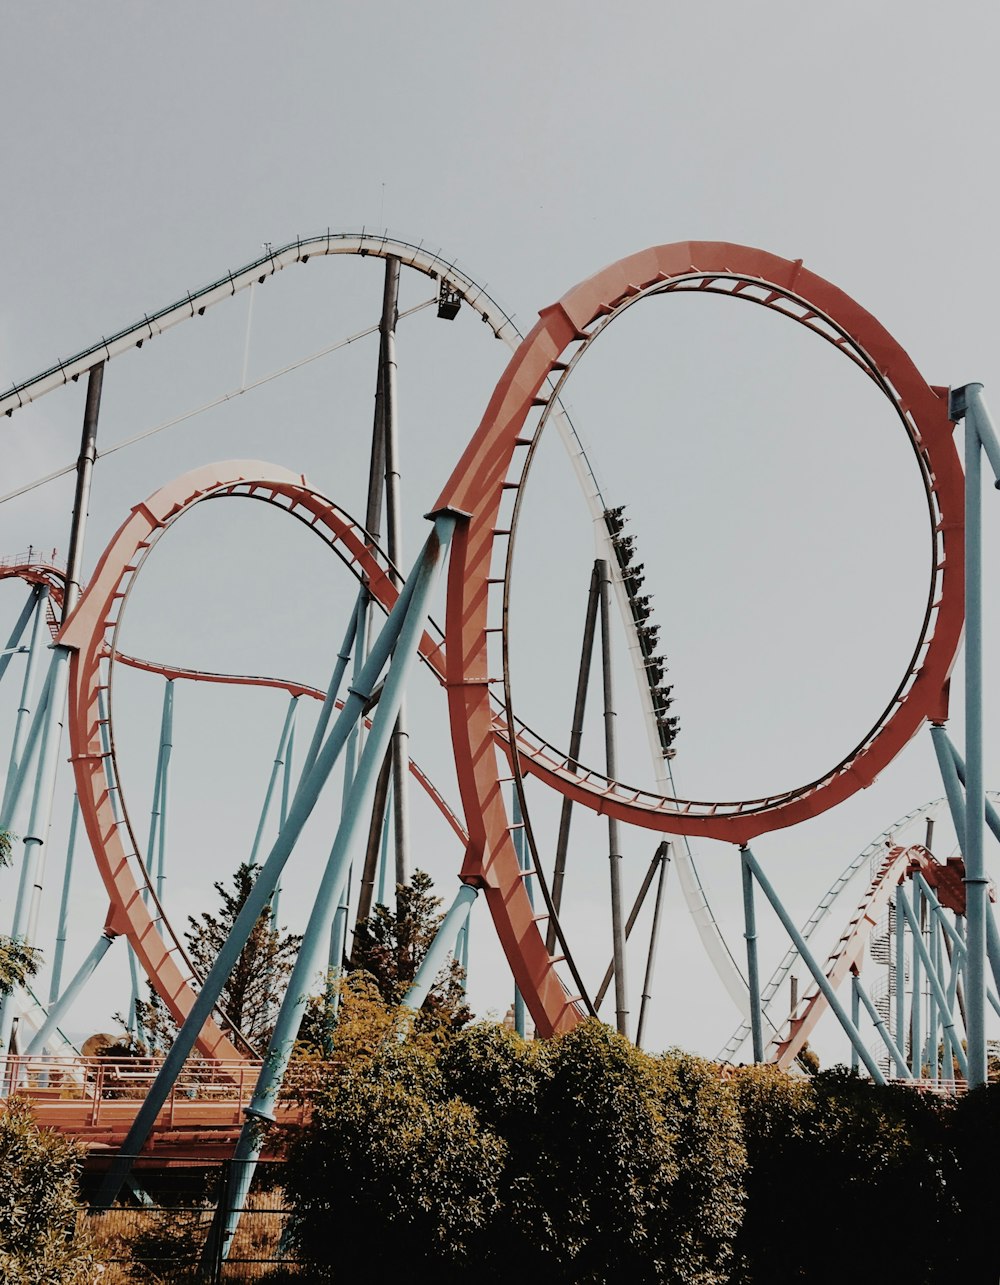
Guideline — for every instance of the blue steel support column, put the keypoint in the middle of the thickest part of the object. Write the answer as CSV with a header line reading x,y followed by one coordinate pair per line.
x,y
329,705
900,987
62,1006
895,1052
383,869
517,821
55,982
276,766
819,977
937,1014
14,641
917,989
463,950
168,749
401,618
444,940
40,818
287,773
35,649
975,792
960,955
855,1017
307,965
993,821
935,982
338,933
23,783
753,970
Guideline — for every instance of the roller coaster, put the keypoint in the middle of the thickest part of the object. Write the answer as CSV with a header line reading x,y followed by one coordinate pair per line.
x,y
921,927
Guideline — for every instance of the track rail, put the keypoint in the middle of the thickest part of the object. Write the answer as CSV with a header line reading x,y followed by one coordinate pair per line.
x,y
433,265
489,473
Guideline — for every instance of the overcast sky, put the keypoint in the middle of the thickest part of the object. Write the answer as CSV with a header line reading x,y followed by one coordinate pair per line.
x,y
147,149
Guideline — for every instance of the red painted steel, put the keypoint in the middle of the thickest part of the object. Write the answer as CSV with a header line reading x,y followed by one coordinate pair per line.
x,y
483,475
90,632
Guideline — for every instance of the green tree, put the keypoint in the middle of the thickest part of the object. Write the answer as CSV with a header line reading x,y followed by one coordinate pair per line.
x,y
252,993
391,944
404,1169
576,1160
39,1203
253,990
858,1154
18,961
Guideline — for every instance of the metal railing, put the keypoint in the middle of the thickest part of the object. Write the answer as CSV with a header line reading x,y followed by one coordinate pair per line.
x,y
94,1084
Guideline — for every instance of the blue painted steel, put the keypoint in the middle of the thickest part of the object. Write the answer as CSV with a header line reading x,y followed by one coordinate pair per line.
x,y
992,933
155,848
975,791
819,977
276,766
333,690
895,1052
15,798
287,774
404,647
855,1017
937,1018
306,795
14,641
916,990
441,946
55,982
383,867
517,821
753,968
62,1006
952,774
939,992
338,932
462,950
40,817
35,649
163,790
899,990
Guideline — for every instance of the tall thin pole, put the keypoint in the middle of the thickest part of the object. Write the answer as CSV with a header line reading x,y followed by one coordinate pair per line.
x,y
14,641
393,519
371,867
611,768
60,948
663,851
403,626
753,970
975,792
575,739
807,957
634,913
84,476
40,595
39,821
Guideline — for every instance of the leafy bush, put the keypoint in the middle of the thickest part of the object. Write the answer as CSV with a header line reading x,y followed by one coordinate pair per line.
x,y
38,1204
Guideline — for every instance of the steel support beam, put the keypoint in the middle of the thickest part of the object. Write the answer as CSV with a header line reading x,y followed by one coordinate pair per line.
x,y
402,617
819,977
611,768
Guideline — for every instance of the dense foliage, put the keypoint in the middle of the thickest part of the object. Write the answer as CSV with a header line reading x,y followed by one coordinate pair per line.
x,y
390,945
577,1160
253,990
38,1204
583,1160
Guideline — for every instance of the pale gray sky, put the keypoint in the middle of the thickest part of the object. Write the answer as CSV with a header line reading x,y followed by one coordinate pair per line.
x,y
147,149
